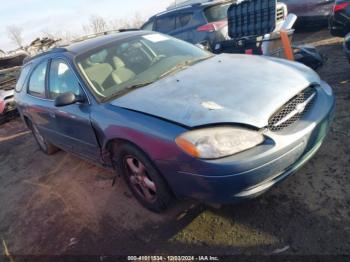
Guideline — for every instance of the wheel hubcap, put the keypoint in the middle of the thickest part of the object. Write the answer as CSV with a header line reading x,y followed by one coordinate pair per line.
x,y
139,179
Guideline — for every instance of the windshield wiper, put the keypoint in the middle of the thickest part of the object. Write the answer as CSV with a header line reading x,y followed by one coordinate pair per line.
x,y
128,89
182,66
135,86
174,69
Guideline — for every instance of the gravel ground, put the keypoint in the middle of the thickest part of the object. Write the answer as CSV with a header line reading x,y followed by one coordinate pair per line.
x,y
64,205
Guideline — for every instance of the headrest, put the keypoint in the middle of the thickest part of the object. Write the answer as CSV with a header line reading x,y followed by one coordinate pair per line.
x,y
118,63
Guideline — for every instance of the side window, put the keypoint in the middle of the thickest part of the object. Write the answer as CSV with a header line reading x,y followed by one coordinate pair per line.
x,y
37,81
62,79
183,20
165,24
148,26
22,78
217,12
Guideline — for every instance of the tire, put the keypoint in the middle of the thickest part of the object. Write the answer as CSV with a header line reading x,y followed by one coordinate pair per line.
x,y
142,178
44,145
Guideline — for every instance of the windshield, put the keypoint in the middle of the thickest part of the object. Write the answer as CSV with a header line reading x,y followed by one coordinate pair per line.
x,y
135,62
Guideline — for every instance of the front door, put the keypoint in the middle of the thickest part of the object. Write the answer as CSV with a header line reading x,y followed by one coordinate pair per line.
x,y
72,125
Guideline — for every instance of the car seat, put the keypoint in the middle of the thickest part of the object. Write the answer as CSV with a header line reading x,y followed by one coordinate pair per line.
x,y
121,73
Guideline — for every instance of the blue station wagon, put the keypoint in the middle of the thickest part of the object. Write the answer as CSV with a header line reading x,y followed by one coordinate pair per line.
x,y
174,120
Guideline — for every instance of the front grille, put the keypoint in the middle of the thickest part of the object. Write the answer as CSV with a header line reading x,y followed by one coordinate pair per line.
x,y
293,110
280,14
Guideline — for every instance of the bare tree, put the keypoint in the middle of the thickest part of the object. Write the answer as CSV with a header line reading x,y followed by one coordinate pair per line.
x,y
96,25
64,36
117,24
15,35
49,34
67,36
135,22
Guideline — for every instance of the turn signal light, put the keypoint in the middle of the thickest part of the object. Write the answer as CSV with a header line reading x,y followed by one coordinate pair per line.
x,y
187,146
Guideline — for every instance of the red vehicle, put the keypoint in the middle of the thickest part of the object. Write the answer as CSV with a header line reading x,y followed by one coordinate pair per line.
x,y
339,23
8,80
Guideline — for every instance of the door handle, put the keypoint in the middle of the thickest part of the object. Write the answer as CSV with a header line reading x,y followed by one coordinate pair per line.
x,y
52,114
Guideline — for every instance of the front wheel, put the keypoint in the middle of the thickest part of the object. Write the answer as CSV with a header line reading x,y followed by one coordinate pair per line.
x,y
143,179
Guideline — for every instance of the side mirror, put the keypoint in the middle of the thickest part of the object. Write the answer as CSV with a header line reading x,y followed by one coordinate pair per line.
x,y
67,99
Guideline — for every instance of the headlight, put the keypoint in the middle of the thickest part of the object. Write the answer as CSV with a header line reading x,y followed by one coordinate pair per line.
x,y
218,142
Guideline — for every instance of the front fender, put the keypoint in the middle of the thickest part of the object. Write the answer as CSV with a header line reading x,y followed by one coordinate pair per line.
x,y
152,135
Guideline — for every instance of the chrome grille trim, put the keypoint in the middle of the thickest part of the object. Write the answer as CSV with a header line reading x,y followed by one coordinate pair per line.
x,y
293,110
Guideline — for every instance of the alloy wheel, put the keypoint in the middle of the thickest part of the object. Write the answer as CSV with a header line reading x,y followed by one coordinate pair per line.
x,y
139,179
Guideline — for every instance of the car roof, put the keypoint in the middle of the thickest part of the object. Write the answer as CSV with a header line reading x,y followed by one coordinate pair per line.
x,y
87,45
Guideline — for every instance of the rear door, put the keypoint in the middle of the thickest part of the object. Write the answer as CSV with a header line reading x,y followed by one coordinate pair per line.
x,y
166,24
179,25
36,105
184,27
71,124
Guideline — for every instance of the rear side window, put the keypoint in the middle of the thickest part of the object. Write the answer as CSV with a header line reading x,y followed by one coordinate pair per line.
x,y
183,20
165,24
216,13
22,78
37,81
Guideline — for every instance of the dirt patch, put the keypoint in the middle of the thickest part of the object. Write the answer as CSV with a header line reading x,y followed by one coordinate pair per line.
x,y
49,202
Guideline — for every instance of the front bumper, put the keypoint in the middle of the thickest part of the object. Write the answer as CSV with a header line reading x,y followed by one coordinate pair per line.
x,y
251,173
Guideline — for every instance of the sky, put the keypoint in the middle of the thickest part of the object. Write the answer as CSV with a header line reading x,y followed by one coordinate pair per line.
x,y
38,16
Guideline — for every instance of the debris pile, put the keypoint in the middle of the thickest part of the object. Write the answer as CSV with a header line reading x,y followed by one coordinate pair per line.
x,y
40,45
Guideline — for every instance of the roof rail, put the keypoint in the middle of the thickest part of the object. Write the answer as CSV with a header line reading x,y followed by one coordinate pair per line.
x,y
57,50
86,37
128,30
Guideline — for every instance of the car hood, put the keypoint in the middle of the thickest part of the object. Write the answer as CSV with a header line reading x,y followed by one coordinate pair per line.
x,y
223,89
